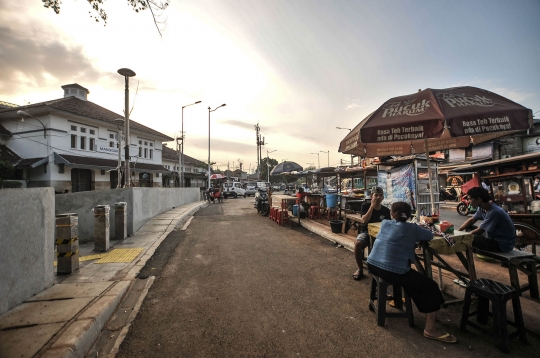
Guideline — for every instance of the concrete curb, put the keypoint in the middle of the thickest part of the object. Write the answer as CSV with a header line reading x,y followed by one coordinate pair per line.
x,y
322,231
80,335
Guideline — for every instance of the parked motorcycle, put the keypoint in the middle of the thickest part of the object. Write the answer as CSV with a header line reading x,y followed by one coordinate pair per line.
x,y
261,202
464,207
448,195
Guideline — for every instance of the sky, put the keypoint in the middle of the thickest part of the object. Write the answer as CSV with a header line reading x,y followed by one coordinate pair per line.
x,y
297,68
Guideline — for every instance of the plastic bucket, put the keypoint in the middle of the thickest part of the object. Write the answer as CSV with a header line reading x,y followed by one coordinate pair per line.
x,y
336,226
331,200
295,210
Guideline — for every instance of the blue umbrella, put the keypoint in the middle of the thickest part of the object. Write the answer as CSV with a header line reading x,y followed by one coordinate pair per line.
x,y
286,167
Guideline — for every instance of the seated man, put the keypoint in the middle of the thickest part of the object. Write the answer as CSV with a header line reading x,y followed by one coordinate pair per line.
x,y
372,212
496,222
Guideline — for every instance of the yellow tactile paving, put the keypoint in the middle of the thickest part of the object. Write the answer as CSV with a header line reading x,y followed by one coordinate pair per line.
x,y
86,258
119,255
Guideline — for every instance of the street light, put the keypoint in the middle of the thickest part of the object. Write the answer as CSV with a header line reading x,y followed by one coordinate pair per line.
x,y
24,113
210,110
182,153
127,73
328,152
318,159
119,123
268,164
349,132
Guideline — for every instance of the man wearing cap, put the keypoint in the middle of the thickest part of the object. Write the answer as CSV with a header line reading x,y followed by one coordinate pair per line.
x,y
373,212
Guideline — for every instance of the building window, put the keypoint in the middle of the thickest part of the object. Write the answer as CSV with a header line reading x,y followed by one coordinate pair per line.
x,y
92,132
157,175
145,143
73,141
146,152
92,144
151,153
140,152
111,144
111,135
61,168
151,144
73,128
140,142
83,130
83,142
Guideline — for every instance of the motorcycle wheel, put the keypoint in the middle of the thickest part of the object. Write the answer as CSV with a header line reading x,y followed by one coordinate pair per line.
x,y
265,210
462,209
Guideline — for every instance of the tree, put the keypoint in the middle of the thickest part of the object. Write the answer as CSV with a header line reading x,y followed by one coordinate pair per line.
x,y
155,7
264,168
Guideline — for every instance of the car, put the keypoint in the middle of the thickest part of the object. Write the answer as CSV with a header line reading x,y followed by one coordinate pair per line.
x,y
251,190
233,189
276,187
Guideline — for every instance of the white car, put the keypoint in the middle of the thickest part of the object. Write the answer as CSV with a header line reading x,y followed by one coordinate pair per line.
x,y
251,190
233,189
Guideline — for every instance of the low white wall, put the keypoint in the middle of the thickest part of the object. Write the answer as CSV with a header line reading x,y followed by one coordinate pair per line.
x,y
149,202
27,225
142,205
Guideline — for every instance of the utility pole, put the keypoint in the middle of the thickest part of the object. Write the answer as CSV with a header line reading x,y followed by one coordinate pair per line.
x,y
260,143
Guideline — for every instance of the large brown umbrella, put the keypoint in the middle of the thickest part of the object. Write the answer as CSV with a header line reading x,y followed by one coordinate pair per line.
x,y
436,119
439,118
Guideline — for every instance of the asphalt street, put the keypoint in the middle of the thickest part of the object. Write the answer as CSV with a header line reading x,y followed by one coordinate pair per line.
x,y
234,284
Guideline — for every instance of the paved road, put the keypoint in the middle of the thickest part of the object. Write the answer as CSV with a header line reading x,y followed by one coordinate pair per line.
x,y
238,285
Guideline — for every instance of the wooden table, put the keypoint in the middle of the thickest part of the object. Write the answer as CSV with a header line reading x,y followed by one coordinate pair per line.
x,y
438,246
352,219
283,200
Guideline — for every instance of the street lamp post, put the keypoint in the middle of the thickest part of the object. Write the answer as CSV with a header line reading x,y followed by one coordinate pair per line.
x,y
24,113
327,152
127,73
119,123
182,153
349,132
268,164
318,160
210,110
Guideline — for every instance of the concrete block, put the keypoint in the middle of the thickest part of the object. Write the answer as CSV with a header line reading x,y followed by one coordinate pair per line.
x,y
65,248
101,227
67,226
67,264
120,221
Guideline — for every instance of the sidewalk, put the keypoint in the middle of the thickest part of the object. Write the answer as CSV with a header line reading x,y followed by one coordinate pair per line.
x,y
65,319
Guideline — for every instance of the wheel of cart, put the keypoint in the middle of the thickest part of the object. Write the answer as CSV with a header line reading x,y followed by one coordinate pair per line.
x,y
527,235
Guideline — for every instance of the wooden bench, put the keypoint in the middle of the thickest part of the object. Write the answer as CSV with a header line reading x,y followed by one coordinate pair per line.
x,y
352,220
517,260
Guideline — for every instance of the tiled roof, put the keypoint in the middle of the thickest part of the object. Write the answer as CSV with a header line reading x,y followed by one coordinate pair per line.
x,y
31,162
91,110
4,104
8,155
172,154
4,131
100,163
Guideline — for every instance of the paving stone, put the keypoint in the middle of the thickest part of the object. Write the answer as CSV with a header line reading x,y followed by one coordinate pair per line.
x,y
27,341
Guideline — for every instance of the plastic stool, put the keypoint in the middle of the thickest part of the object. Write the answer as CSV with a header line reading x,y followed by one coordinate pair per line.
x,y
331,213
314,212
378,291
283,217
499,294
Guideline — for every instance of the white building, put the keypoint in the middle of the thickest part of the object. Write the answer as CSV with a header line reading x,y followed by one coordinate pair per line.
x,y
194,170
72,144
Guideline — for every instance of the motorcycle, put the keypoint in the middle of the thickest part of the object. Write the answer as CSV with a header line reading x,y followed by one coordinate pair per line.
x,y
448,195
261,202
465,208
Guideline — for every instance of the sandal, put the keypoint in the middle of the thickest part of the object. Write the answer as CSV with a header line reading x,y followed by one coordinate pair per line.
x,y
357,275
446,338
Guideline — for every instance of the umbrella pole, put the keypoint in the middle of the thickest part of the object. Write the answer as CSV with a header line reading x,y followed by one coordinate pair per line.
x,y
430,180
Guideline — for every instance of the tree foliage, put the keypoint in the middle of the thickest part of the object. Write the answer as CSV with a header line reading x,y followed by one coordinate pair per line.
x,y
265,168
155,7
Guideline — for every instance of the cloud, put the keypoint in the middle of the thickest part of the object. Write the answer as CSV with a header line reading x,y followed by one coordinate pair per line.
x,y
354,104
240,124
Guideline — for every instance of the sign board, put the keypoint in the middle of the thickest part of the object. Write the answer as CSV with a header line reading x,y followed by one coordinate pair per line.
x,y
104,149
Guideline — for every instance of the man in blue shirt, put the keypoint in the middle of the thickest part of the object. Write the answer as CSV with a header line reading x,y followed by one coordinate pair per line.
x,y
496,222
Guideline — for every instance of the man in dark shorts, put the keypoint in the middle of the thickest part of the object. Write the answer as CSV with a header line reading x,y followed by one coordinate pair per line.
x,y
373,212
496,222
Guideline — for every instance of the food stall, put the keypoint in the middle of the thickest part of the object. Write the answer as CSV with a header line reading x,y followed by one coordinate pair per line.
x,y
511,185
407,179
